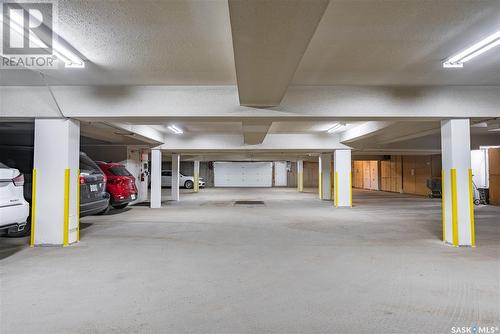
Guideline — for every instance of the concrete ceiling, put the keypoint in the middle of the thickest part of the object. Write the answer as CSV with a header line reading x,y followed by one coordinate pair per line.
x,y
187,42
134,42
269,39
355,43
400,42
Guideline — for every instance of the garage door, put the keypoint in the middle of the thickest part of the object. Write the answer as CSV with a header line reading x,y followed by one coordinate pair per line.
x,y
243,174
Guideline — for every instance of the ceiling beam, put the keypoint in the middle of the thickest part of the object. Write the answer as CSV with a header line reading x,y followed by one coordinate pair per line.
x,y
255,131
234,142
269,39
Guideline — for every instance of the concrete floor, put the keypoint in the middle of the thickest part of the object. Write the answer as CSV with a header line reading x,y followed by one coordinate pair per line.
x,y
295,265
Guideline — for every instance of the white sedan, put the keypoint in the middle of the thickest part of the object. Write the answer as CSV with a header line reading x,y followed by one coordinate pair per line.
x,y
14,210
184,181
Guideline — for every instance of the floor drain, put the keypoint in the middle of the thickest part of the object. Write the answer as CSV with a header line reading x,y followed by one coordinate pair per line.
x,y
249,203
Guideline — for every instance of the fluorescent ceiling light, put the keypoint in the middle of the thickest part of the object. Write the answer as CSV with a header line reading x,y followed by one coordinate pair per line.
x,y
69,59
495,128
175,129
337,127
458,60
479,125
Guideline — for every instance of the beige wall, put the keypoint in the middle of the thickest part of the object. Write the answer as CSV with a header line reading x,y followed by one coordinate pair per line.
x,y
407,174
494,174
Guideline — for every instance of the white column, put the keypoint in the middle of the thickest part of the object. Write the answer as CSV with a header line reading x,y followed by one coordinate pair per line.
x,y
155,178
342,178
325,184
300,175
176,161
196,172
457,190
56,182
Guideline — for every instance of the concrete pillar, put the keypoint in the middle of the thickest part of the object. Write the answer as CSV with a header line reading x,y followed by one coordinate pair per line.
x,y
457,190
342,178
325,177
196,172
176,162
300,175
155,178
56,182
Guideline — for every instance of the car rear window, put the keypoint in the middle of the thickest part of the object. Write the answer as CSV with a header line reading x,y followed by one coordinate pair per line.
x,y
119,171
3,166
87,165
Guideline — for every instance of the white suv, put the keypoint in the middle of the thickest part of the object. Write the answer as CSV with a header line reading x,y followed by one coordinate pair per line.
x,y
184,181
14,210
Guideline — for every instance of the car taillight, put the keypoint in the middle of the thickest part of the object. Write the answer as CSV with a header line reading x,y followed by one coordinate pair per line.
x,y
82,179
18,180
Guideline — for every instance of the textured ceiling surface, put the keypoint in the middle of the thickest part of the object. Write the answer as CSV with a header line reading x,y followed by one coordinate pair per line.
x,y
357,42
400,42
143,42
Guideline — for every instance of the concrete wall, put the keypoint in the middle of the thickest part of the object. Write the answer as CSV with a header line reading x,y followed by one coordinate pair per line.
x,y
106,153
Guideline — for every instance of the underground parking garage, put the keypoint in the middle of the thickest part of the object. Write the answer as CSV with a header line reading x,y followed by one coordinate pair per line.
x,y
237,166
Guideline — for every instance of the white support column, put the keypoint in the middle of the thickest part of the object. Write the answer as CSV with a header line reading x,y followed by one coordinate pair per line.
x,y
325,177
342,178
300,175
176,161
457,190
56,182
196,172
155,178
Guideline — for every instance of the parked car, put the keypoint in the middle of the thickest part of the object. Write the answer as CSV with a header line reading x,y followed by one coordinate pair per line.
x,y
14,209
184,181
93,196
121,184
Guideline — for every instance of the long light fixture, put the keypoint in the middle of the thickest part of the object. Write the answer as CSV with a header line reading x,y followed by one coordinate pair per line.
x,y
458,60
337,127
69,59
175,129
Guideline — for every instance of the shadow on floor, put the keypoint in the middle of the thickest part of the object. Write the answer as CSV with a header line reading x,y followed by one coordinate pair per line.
x,y
11,246
113,212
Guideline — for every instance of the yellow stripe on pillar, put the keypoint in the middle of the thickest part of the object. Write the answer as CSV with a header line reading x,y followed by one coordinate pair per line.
x,y
77,205
298,180
332,185
471,203
350,189
196,185
454,206
33,207
66,207
336,189
443,222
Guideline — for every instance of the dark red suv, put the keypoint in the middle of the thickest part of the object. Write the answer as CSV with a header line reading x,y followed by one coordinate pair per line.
x,y
121,184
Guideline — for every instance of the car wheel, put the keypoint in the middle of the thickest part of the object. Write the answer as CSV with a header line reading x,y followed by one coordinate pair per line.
x,y
188,184
121,206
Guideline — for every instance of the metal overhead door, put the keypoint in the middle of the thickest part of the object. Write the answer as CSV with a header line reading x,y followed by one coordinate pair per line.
x,y
243,174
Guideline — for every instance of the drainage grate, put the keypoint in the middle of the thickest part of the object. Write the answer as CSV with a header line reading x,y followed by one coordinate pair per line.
x,y
249,203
